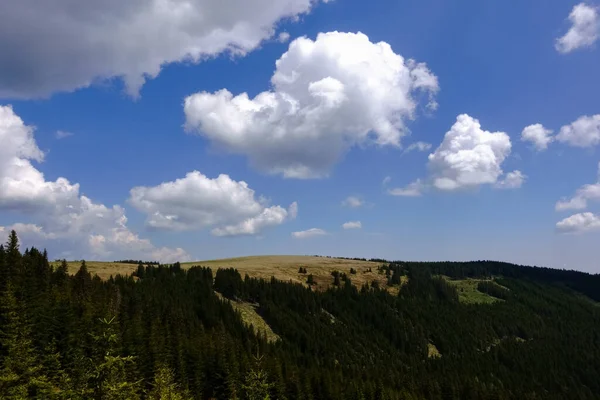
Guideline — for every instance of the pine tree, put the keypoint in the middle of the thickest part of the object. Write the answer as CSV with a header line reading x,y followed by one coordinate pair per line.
x,y
110,380
165,387
3,269
336,278
310,280
256,385
60,384
13,256
21,375
82,283
61,274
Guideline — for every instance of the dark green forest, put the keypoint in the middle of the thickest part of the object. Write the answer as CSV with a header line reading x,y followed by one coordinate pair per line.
x,y
164,333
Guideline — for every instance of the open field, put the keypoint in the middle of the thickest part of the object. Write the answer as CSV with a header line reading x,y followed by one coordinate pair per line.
x,y
104,269
284,268
468,293
252,318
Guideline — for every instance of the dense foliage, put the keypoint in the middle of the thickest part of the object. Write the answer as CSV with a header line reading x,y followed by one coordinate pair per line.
x,y
164,333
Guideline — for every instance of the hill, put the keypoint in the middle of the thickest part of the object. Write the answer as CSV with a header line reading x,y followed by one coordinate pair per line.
x,y
477,330
284,268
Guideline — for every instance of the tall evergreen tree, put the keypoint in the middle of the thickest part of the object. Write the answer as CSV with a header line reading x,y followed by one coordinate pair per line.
x,y
3,269
256,385
21,375
13,256
111,380
165,387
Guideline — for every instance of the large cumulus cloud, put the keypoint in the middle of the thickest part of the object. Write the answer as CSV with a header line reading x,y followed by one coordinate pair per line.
x,y
63,217
468,157
198,202
328,94
62,45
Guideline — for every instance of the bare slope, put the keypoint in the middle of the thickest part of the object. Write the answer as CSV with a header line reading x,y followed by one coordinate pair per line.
x,y
281,267
286,268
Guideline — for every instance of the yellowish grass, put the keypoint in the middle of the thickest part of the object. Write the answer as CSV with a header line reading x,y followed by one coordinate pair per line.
x,y
283,268
432,351
497,341
468,293
103,269
252,318
286,268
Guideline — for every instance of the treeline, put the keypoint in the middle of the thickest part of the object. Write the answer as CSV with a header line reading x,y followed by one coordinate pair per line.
x,y
137,262
165,333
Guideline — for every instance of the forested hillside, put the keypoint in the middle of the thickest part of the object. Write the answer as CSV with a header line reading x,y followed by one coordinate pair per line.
x,y
165,332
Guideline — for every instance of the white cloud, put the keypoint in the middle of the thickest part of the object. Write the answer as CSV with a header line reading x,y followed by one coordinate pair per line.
x,y
584,132
413,189
283,37
539,136
512,180
589,192
198,202
468,156
64,218
584,30
22,186
419,146
579,223
386,180
352,225
328,95
271,216
130,39
62,134
353,202
575,203
309,233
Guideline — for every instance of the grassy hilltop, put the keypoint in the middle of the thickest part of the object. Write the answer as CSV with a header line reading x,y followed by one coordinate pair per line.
x,y
283,268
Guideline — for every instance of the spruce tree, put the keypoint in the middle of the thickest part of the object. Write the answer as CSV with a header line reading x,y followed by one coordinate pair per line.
x,y
21,375
3,269
61,274
13,256
256,385
165,387
111,378
310,280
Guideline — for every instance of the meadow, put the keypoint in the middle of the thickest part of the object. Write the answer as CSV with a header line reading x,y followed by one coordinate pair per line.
x,y
283,268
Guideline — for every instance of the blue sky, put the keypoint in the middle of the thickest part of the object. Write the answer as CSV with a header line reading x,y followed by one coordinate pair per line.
x,y
339,115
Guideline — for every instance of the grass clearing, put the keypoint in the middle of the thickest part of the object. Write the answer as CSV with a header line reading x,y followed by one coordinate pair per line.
x,y
432,351
468,293
252,318
499,341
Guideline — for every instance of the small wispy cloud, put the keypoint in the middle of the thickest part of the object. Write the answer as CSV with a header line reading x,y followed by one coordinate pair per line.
x,y
352,225
353,202
309,233
584,31
283,37
414,189
419,146
62,134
